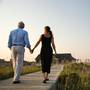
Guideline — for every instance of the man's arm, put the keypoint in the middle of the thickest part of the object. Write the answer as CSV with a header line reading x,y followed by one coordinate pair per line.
x,y
10,41
27,42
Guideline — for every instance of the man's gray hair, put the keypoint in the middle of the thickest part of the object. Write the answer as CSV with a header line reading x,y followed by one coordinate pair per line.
x,y
21,24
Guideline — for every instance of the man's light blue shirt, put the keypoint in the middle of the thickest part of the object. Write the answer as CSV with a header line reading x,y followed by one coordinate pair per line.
x,y
18,37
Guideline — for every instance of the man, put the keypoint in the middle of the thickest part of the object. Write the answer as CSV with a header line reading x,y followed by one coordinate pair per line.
x,y
18,39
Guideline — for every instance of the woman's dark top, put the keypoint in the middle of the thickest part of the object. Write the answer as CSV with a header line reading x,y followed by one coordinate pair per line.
x,y
46,54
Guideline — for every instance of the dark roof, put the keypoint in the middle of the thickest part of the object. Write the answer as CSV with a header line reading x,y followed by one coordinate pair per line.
x,y
62,56
65,56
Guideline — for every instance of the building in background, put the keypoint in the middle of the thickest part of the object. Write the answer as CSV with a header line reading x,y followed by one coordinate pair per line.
x,y
58,58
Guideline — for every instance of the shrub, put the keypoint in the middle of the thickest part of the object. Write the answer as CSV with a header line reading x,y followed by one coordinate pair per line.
x,y
74,77
7,72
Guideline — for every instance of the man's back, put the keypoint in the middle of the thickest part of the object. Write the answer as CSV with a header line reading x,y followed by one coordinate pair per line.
x,y
18,37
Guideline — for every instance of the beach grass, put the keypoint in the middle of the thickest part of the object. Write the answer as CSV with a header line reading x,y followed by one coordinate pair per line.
x,y
75,76
7,71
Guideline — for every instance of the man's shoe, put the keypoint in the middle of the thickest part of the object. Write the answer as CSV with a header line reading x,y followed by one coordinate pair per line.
x,y
16,82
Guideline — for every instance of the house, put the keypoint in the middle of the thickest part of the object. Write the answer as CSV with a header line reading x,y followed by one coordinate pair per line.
x,y
58,58
65,57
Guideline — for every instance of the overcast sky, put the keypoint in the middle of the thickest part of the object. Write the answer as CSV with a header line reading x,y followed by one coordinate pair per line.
x,y
68,19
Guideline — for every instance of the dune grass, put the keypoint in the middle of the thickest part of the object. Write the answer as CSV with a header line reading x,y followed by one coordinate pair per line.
x,y
74,77
7,71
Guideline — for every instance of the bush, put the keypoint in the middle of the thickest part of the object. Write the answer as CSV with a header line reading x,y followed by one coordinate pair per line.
x,y
74,77
7,72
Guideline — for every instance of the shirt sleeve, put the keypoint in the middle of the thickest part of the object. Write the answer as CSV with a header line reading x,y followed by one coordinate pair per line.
x,y
27,42
10,41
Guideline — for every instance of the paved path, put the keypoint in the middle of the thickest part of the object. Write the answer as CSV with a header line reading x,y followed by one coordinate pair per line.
x,y
32,81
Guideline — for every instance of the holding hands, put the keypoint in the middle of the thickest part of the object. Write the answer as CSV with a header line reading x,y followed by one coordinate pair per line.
x,y
38,42
31,51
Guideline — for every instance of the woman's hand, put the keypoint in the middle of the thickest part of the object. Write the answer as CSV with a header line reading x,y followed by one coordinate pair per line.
x,y
55,53
32,50
53,44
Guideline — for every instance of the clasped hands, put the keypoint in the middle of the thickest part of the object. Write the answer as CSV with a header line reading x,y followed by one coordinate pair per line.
x,y
31,51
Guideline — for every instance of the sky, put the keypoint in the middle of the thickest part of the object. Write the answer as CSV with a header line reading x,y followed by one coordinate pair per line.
x,y
69,21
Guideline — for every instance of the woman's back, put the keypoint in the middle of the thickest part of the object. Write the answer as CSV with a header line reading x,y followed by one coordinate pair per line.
x,y
46,41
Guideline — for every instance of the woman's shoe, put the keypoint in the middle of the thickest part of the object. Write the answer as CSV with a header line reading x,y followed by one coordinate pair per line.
x,y
47,79
44,81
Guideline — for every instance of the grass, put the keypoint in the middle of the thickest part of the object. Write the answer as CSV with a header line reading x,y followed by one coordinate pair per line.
x,y
74,77
7,72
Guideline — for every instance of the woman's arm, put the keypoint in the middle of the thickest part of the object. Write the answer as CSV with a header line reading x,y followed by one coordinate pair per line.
x,y
53,45
38,42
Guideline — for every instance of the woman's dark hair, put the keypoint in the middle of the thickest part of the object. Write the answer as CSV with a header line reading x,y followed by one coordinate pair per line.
x,y
21,25
48,29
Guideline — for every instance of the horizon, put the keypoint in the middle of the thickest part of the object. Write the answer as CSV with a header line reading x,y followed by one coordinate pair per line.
x,y
69,21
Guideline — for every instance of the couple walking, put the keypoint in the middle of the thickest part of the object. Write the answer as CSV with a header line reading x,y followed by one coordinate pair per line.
x,y
18,39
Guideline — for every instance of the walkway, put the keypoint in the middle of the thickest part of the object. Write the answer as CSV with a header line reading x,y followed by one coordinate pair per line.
x,y
32,81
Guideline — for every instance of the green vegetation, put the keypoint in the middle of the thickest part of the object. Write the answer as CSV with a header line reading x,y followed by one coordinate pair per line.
x,y
7,72
74,77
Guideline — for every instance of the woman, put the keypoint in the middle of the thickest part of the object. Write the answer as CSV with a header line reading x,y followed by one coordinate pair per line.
x,y
46,51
